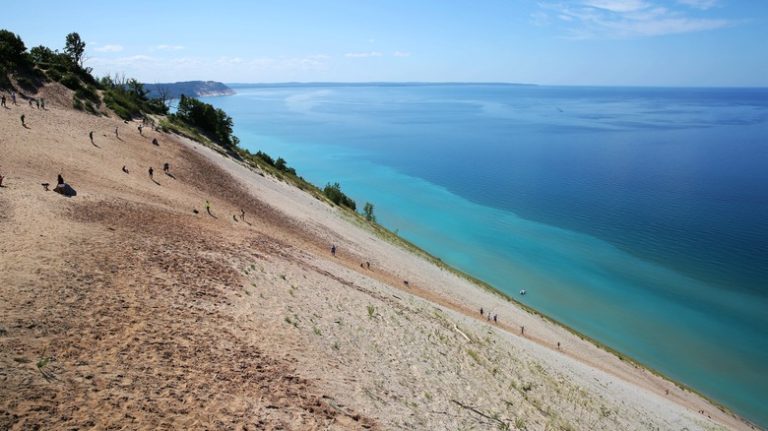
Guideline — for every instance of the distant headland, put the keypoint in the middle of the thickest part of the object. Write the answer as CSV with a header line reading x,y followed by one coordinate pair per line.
x,y
174,90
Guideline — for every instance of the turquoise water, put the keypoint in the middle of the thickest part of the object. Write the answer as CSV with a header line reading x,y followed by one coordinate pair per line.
x,y
636,216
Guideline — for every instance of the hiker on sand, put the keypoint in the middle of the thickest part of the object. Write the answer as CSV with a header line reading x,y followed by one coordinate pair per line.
x,y
22,121
140,130
30,102
495,318
208,208
13,97
481,311
1,180
333,250
522,330
59,180
42,103
151,172
2,102
117,135
166,167
125,169
90,135
242,214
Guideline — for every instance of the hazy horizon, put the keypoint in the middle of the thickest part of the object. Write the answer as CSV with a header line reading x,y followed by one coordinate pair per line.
x,y
648,43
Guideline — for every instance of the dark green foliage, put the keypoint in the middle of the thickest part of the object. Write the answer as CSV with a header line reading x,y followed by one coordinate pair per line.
x,y
77,104
334,193
266,158
71,81
211,121
368,212
42,56
280,164
128,99
74,47
12,50
89,94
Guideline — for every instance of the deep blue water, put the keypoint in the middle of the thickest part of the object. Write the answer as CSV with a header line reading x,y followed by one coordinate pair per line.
x,y
637,216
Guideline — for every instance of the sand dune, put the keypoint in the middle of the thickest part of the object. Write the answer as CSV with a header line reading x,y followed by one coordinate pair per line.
x,y
121,308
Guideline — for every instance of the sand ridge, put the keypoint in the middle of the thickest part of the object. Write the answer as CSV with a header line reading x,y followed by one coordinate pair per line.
x,y
123,308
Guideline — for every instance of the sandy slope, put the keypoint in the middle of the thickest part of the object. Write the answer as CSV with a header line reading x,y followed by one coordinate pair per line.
x,y
121,308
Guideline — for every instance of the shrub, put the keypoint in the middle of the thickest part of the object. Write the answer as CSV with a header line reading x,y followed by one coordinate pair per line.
x,y
71,81
334,193
368,212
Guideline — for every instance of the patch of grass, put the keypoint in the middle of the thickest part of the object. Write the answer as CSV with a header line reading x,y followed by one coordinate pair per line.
x,y
474,355
371,311
520,423
335,345
316,330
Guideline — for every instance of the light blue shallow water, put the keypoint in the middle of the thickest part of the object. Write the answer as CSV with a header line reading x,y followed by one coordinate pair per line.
x,y
636,216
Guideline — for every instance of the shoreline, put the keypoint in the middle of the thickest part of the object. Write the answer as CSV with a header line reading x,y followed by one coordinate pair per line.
x,y
288,333
653,380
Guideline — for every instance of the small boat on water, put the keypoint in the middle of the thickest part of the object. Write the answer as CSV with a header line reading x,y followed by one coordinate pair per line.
x,y
523,291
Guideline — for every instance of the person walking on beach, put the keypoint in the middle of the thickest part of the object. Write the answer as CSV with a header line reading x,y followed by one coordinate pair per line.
x,y
242,214
2,102
333,250
522,330
22,121
59,180
90,135
495,318
117,135
208,208
125,169
151,172
481,311
140,130
13,97
166,167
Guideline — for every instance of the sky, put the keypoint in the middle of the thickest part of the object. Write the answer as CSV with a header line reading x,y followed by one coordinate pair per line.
x,y
548,42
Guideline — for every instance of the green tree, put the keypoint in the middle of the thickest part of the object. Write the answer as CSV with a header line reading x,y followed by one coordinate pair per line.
x,y
42,55
12,49
368,211
212,121
75,48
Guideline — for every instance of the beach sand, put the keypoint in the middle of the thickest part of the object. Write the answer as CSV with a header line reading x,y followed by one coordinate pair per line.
x,y
122,308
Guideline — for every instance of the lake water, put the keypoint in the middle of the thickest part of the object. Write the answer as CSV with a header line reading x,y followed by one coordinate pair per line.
x,y
637,216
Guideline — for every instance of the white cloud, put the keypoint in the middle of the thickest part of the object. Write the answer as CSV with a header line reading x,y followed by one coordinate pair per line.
x,y
699,4
168,47
618,6
109,48
363,54
401,54
586,19
157,69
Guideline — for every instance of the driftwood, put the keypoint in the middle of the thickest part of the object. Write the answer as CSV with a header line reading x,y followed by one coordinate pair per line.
x,y
462,334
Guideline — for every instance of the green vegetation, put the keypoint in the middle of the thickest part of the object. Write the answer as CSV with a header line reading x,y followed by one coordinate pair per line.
x,y
31,70
334,193
128,99
210,121
368,212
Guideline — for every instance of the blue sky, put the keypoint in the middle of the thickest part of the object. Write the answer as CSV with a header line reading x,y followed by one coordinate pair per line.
x,y
561,42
